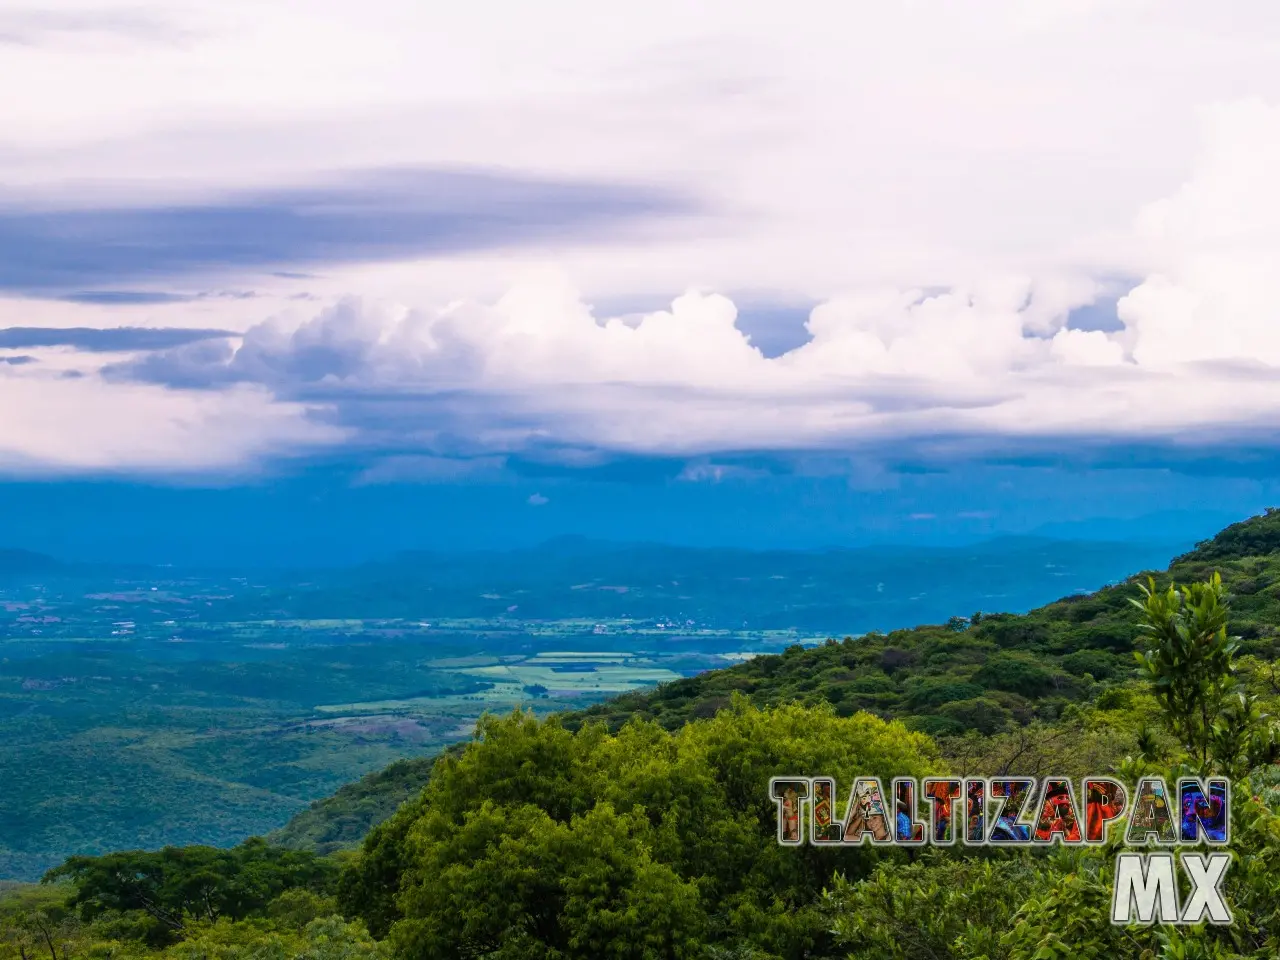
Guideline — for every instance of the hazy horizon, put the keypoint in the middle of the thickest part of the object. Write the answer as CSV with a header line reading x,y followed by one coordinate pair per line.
x,y
231,528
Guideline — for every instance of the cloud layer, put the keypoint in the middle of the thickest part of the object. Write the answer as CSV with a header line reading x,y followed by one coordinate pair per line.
x,y
949,186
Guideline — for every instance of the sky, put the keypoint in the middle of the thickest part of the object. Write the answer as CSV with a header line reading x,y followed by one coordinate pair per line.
x,y
326,280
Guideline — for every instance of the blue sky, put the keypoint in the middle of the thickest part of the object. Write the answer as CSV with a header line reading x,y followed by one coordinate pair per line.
x,y
339,283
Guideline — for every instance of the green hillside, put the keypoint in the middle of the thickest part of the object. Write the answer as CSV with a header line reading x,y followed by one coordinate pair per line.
x,y
992,673
343,819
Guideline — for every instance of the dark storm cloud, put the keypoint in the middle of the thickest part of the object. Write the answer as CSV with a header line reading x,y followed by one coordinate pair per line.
x,y
120,298
1244,452
106,340
361,217
124,297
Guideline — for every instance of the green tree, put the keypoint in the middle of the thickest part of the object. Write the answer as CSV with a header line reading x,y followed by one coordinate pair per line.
x,y
1017,673
1190,664
541,842
175,885
941,908
45,933
325,938
515,884
332,938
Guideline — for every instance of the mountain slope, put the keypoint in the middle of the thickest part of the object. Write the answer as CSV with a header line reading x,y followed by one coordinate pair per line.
x,y
988,673
342,819
22,563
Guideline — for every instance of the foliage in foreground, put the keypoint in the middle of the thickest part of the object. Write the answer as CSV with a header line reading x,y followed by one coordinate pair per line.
x,y
539,842
323,938
965,909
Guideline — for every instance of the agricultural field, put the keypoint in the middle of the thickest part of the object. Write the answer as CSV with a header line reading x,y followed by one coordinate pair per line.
x,y
127,723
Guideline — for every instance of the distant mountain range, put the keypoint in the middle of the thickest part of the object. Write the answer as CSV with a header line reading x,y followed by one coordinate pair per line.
x,y
25,562
839,590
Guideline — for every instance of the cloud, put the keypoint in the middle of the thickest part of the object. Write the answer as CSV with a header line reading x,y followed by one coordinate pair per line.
x,y
972,371
54,425
558,462
1086,348
18,361
1214,247
35,26
128,297
967,138
705,471
538,500
539,369
922,250
96,340
363,216
137,297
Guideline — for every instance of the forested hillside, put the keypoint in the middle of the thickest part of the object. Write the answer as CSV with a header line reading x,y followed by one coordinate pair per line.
x,y
342,820
992,673
650,834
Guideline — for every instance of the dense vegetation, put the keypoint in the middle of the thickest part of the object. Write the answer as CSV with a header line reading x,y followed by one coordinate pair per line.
x,y
343,819
650,834
166,891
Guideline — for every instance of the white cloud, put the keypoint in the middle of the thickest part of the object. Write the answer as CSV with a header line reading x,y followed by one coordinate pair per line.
x,y
538,367
1086,348
61,425
1215,246
706,471
538,500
